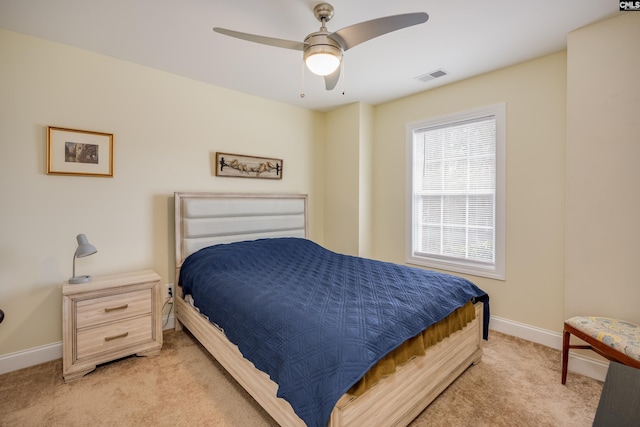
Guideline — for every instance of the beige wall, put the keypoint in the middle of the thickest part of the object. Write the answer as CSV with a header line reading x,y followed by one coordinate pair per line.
x,y
341,181
365,184
166,132
535,97
603,172
348,179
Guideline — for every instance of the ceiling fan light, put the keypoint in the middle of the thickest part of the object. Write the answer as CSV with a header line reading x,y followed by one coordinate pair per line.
x,y
322,54
322,63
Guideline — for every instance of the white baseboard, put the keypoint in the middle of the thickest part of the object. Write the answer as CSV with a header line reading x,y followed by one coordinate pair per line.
x,y
45,353
33,356
526,332
168,322
582,365
587,366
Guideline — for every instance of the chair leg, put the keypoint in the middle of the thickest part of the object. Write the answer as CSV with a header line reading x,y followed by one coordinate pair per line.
x,y
565,355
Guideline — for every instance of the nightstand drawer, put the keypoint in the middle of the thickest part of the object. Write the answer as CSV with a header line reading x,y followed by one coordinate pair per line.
x,y
114,307
113,336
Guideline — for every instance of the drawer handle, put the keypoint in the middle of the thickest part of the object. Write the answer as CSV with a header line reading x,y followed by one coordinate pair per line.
x,y
114,337
120,307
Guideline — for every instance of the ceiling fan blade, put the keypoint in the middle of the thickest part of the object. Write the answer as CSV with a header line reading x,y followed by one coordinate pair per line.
x,y
355,34
331,80
287,44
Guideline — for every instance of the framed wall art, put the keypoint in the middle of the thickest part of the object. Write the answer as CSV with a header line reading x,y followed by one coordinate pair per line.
x,y
79,152
239,165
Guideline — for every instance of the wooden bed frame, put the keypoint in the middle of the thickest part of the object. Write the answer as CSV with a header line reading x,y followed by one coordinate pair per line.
x,y
204,219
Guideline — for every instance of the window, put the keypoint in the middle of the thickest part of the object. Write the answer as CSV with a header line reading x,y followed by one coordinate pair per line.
x,y
456,192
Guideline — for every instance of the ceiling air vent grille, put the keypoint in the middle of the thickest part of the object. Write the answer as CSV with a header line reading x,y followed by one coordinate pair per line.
x,y
431,75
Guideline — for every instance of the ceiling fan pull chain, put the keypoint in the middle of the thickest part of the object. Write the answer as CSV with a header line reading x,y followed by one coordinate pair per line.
x,y
344,76
302,79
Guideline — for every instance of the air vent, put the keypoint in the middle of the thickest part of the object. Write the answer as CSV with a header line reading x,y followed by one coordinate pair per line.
x,y
432,75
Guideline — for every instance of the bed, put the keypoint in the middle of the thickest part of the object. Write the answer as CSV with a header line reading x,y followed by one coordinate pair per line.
x,y
214,223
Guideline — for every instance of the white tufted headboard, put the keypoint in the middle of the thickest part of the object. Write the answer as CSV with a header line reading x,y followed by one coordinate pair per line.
x,y
205,219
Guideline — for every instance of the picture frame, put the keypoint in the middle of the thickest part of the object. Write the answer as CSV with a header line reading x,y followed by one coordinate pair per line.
x,y
243,166
79,152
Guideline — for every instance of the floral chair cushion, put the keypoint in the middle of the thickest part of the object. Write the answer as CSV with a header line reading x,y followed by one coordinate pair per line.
x,y
618,334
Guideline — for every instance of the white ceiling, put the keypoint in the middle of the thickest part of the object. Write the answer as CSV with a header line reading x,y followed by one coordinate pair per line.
x,y
463,37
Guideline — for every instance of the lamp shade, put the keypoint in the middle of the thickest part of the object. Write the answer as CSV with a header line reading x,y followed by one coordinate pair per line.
x,y
322,54
84,249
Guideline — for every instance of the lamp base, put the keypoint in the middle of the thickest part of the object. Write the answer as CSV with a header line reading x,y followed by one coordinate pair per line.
x,y
79,279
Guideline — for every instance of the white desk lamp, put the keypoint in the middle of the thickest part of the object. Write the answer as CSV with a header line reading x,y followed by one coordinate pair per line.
x,y
84,249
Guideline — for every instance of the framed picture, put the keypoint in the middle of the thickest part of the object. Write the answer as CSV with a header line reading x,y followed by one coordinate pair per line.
x,y
242,166
79,152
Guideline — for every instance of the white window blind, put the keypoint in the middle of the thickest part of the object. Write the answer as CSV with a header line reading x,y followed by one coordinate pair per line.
x,y
454,215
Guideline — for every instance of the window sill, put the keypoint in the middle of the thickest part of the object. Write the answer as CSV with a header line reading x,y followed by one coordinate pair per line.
x,y
480,270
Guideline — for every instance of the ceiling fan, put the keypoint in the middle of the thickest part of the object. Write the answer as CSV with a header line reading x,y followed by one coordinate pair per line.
x,y
322,50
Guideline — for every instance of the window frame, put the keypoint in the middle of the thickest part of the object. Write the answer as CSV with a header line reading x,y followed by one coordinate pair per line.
x,y
495,270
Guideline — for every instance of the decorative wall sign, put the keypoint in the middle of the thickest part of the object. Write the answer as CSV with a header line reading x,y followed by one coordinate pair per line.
x,y
79,152
242,166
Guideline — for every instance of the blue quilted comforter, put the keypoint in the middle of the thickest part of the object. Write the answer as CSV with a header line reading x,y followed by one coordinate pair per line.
x,y
315,320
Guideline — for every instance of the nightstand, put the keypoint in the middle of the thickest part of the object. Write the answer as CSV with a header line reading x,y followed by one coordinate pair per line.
x,y
109,318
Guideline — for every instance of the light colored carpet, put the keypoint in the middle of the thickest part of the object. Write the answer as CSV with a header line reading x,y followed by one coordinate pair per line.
x,y
516,384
